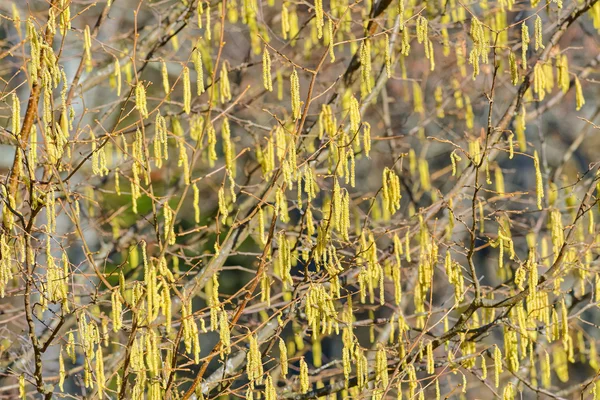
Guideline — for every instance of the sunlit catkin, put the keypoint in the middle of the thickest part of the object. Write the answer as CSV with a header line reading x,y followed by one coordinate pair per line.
x,y
100,372
283,357
224,86
497,365
524,44
538,30
304,382
87,48
16,114
330,39
579,99
267,79
365,67
319,17
418,106
295,94
539,183
197,59
61,370
391,190
225,334
117,309
22,392
514,69
140,99
254,366
187,91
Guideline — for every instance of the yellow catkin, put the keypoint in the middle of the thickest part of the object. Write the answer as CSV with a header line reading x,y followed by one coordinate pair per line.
x,y
430,359
520,128
509,392
140,99
319,17
418,106
524,44
224,334
165,78
254,366
100,372
539,184
283,357
424,174
224,86
196,203
562,72
387,57
497,365
295,94
514,70
87,46
61,370
223,209
187,91
540,81
331,39
479,53
579,99
422,25
267,79
117,310
304,382
16,114
117,75
365,67
197,59
538,30
391,190
270,391
454,158
22,392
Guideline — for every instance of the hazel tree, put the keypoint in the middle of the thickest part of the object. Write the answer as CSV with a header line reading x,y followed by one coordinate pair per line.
x,y
299,199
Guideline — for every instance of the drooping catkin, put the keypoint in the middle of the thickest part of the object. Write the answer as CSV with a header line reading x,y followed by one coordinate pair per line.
x,y
538,30
514,69
418,106
16,114
562,72
254,366
165,78
187,90
295,94
304,382
283,357
365,67
331,40
497,365
422,27
140,99
479,53
391,190
520,128
197,59
387,57
61,370
267,79
87,47
224,86
524,44
539,183
319,17
22,392
579,99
